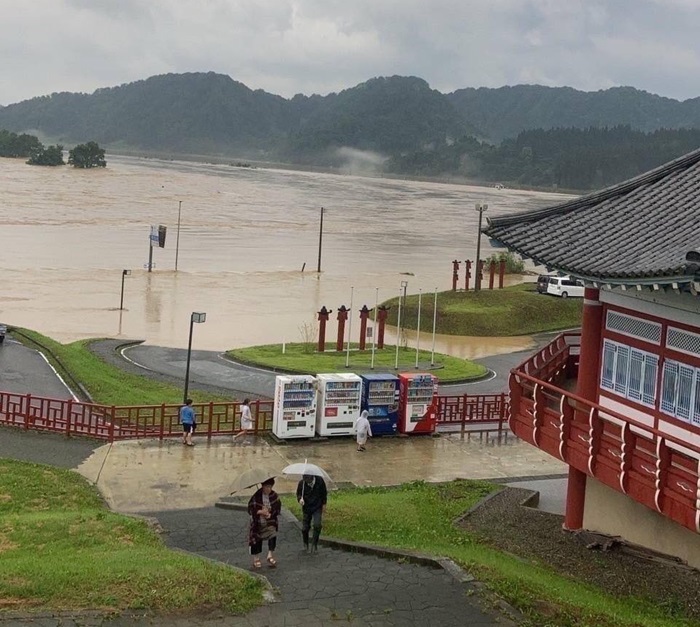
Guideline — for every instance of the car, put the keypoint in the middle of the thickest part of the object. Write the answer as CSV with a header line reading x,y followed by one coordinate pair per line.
x,y
565,287
542,281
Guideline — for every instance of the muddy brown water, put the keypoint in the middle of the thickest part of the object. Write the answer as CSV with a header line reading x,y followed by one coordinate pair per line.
x,y
245,235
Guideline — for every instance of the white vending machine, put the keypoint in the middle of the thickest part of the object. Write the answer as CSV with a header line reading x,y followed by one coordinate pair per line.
x,y
295,406
339,397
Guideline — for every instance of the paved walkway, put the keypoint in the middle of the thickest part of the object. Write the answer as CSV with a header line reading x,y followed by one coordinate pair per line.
x,y
179,485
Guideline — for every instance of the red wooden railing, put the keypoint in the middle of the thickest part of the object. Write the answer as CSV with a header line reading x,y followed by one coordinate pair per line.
x,y
653,468
107,422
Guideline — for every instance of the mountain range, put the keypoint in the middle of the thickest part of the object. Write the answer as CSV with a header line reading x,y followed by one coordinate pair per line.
x,y
209,113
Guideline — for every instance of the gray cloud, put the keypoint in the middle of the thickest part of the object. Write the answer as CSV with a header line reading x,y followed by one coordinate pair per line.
x,y
319,46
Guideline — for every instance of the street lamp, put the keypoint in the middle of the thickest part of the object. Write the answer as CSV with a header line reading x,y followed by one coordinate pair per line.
x,y
477,275
125,273
195,317
320,242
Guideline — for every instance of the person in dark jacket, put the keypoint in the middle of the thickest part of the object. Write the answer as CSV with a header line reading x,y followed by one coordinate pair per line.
x,y
264,508
312,495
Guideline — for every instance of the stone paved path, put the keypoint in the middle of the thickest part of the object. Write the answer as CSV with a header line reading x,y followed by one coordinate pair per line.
x,y
332,586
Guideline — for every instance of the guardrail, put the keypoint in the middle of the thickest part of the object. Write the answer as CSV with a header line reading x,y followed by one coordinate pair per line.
x,y
112,422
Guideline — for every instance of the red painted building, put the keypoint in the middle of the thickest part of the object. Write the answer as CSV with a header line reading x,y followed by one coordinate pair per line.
x,y
619,402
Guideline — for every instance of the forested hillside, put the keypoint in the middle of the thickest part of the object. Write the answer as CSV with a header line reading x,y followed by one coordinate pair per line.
x,y
522,135
507,111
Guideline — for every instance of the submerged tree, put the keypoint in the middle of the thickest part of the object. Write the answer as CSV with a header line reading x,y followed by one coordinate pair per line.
x,y
88,155
51,155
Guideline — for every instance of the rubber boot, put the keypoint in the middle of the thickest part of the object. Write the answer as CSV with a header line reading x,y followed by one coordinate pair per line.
x,y
317,533
305,538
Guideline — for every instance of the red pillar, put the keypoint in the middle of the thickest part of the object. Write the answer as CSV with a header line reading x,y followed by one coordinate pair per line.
x,y
587,387
364,314
382,313
501,273
492,273
455,274
479,274
322,320
342,317
467,274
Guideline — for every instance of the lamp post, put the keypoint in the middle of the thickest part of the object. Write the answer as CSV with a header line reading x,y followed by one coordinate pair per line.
x,y
125,273
195,317
177,240
477,275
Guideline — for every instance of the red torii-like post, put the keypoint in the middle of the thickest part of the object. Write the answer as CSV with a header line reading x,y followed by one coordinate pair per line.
x,y
382,313
492,273
455,274
501,273
322,320
467,274
342,317
364,314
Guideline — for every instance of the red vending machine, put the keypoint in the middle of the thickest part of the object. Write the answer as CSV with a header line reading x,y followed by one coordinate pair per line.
x,y
418,403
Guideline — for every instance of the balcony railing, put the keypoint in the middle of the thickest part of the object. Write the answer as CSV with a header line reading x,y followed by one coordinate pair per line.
x,y
653,468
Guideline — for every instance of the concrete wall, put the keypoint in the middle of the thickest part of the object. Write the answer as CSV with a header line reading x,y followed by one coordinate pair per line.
x,y
613,513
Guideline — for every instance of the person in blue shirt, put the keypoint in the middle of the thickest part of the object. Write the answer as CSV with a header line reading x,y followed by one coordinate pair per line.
x,y
189,422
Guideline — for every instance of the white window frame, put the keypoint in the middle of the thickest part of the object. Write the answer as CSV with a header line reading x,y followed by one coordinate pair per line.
x,y
619,363
680,391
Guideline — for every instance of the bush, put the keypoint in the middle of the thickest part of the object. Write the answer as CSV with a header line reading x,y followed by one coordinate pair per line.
x,y
514,265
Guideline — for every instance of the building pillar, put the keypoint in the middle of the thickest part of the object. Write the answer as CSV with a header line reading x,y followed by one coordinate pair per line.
x,y
586,387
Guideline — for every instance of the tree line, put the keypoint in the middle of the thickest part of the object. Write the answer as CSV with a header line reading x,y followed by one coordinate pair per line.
x,y
562,158
25,146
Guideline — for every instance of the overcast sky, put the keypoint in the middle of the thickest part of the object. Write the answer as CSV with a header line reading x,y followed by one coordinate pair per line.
x,y
319,46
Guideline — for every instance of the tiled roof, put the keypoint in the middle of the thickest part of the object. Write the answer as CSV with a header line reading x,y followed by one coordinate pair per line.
x,y
643,231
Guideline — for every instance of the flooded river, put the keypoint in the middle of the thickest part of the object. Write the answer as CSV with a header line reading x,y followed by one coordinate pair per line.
x,y
245,235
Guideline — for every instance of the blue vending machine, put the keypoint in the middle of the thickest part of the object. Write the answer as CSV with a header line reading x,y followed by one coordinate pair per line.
x,y
380,397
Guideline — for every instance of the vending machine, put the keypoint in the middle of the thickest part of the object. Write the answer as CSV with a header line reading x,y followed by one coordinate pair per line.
x,y
380,397
338,403
418,403
295,406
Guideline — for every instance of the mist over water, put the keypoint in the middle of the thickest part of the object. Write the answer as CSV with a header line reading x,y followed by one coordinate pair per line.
x,y
245,235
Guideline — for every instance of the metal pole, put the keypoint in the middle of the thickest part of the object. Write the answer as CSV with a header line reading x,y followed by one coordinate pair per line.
x,y
189,355
121,301
177,240
398,326
405,285
347,354
480,209
320,242
374,329
432,354
420,296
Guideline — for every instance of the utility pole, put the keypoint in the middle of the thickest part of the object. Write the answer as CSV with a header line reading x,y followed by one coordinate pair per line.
x,y
320,242
177,240
480,208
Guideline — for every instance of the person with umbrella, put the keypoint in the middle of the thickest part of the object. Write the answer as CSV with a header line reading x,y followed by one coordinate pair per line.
x,y
312,495
264,508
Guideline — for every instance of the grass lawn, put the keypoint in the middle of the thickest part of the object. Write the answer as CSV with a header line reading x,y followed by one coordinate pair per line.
x,y
107,384
303,358
62,549
418,516
515,310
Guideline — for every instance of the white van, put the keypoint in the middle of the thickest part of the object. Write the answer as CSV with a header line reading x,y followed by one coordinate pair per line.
x,y
565,287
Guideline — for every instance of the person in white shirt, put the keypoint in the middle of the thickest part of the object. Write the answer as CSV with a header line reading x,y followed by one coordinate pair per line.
x,y
364,430
247,425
